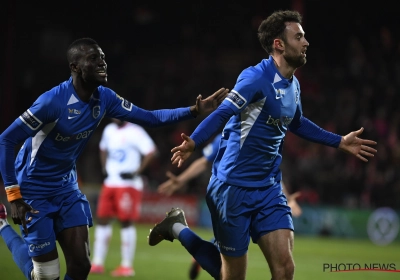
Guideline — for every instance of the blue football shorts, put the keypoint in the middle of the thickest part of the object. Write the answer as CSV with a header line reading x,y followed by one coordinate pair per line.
x,y
238,213
55,214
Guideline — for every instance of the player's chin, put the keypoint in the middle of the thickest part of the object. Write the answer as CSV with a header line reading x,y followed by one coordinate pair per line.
x,y
301,62
102,81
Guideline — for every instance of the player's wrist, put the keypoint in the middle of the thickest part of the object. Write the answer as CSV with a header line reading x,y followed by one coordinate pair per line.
x,y
13,193
194,111
342,142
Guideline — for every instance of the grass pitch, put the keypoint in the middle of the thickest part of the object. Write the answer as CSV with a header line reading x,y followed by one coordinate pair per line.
x,y
168,261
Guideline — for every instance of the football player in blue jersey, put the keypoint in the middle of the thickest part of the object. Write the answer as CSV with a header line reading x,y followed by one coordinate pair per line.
x,y
174,183
41,183
244,194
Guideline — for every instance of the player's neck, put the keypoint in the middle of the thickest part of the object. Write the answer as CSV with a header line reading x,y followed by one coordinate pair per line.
x,y
283,67
84,90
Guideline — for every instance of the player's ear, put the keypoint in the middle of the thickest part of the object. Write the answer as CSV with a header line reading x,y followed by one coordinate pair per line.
x,y
278,44
74,67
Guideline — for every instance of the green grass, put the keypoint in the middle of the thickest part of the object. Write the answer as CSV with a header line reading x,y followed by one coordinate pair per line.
x,y
171,261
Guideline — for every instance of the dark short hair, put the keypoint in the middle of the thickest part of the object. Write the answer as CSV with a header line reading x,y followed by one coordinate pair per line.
x,y
273,27
73,49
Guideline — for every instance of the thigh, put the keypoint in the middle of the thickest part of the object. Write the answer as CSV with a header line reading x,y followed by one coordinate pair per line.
x,y
230,217
74,243
277,247
128,203
233,267
73,235
271,211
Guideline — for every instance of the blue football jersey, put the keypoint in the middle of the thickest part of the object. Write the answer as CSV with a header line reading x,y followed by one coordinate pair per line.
x,y
265,103
60,125
211,150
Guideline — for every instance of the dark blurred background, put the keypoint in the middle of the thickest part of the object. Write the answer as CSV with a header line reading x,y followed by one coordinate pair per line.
x,y
162,54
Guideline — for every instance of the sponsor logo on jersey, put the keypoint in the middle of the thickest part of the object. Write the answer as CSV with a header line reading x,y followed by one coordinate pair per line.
x,y
282,121
74,112
79,136
30,120
279,93
96,111
126,104
34,247
237,100
226,248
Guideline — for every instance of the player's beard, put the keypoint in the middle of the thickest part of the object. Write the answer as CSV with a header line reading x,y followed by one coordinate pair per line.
x,y
295,61
293,58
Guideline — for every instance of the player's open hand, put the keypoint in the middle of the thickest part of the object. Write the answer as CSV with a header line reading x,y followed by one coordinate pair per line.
x,y
183,152
19,208
170,186
206,106
351,144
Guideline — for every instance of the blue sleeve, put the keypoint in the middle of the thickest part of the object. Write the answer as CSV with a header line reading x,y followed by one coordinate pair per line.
x,y
308,130
46,109
11,137
158,117
121,108
210,125
246,90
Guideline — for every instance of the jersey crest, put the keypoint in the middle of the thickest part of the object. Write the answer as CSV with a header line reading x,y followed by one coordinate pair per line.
x,y
96,112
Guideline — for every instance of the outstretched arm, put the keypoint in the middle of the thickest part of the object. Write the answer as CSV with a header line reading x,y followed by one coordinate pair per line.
x,y
203,132
358,147
127,111
183,151
349,143
206,106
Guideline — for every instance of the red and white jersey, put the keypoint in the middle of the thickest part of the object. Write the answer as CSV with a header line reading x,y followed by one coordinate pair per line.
x,y
125,147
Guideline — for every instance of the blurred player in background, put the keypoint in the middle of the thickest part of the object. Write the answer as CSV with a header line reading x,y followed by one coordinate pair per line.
x,y
200,165
126,150
244,194
41,183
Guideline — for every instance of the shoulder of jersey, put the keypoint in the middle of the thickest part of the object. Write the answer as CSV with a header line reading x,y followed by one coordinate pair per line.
x,y
106,90
258,73
58,96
